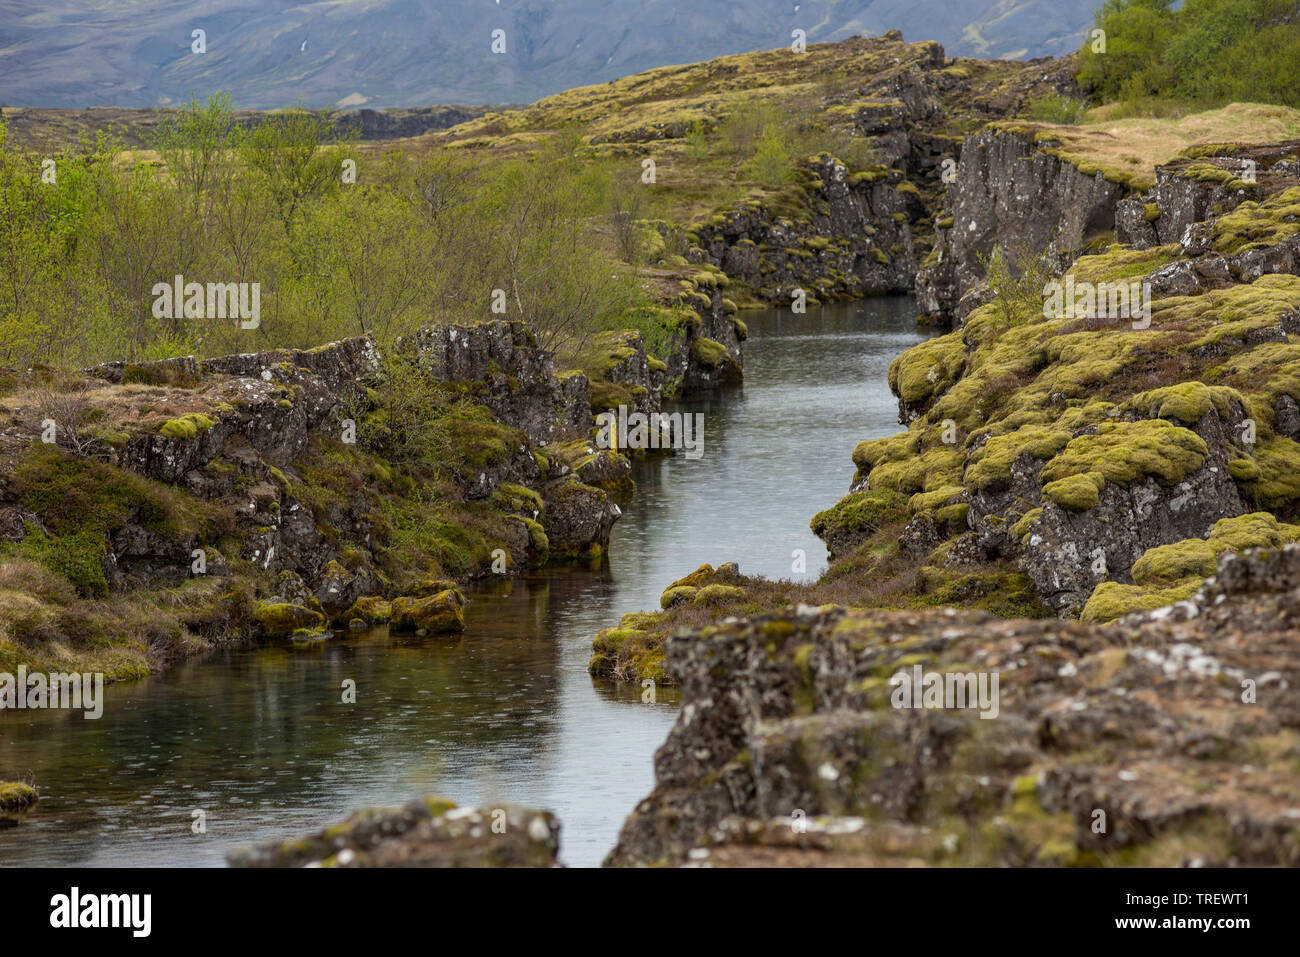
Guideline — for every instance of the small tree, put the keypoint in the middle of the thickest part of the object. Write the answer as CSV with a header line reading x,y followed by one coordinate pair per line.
x,y
627,207
289,151
1016,283
196,144
771,163
697,142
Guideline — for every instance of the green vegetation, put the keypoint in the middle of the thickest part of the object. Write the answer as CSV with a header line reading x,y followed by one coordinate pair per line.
x,y
81,500
1204,51
339,241
1254,225
709,353
860,512
1123,452
1066,110
1016,281
1199,557
436,614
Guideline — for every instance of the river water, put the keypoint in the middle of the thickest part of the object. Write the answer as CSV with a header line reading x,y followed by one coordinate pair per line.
x,y
260,742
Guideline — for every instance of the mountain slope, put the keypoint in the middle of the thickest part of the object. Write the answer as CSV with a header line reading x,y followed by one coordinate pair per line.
x,y
382,53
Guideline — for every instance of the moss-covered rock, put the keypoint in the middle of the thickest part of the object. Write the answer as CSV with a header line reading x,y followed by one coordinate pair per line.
x,y
1110,600
1076,493
677,594
856,517
371,610
1258,225
709,353
1123,452
279,619
421,834
187,426
17,796
718,595
1200,557
927,370
991,464
1187,402
1171,573
435,586
436,614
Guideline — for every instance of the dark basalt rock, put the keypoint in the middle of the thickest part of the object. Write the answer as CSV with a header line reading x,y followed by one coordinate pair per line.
x,y
1010,194
787,749
577,518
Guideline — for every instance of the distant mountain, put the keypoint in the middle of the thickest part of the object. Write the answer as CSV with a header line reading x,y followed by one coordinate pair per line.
x,y
382,53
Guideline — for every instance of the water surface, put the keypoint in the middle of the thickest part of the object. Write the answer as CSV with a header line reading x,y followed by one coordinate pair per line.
x,y
260,740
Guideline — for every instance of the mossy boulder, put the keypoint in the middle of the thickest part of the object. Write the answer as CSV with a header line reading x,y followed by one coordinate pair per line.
x,y
577,519
857,516
718,595
16,796
991,464
1187,402
1006,594
1076,493
279,618
336,589
1110,600
676,595
1254,225
709,353
927,370
435,586
437,614
1277,461
371,610
639,619
421,834
696,578
1123,452
628,652
1200,557
518,498
1171,573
